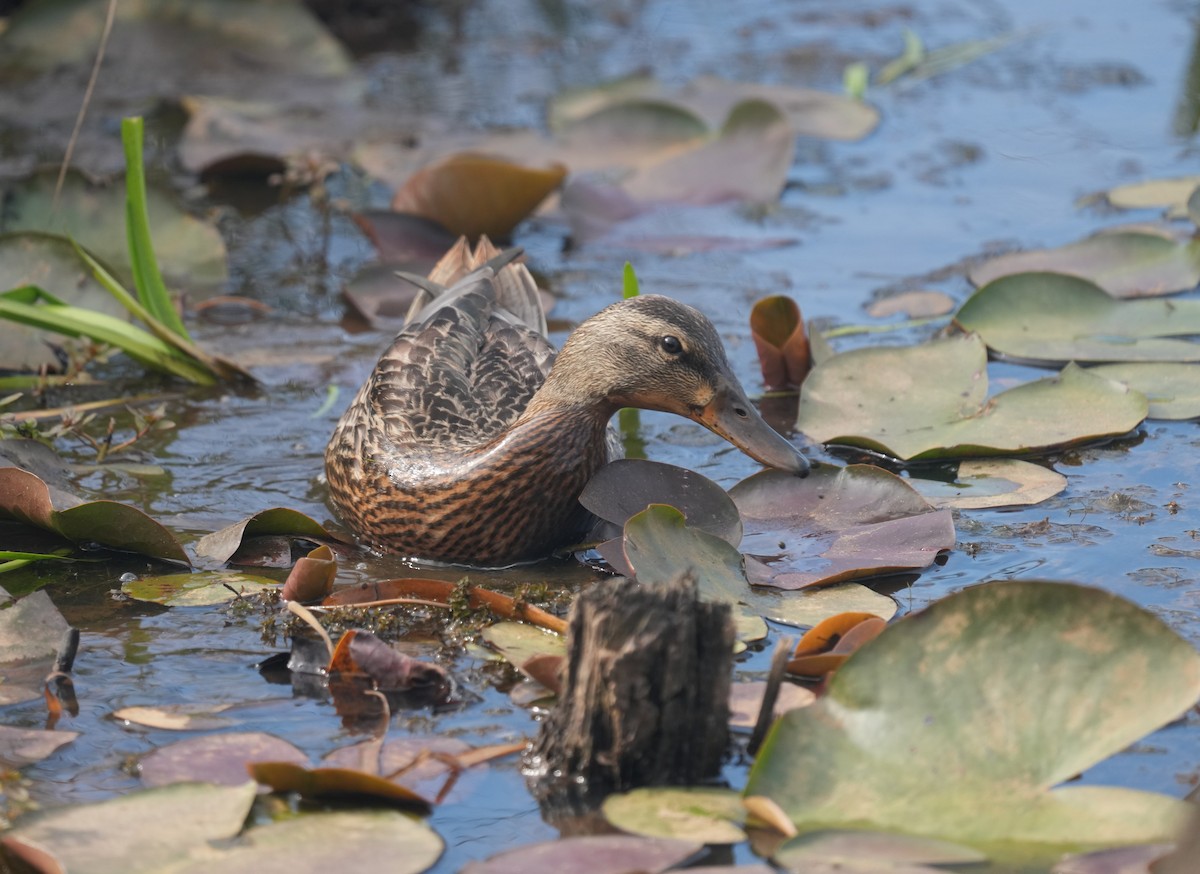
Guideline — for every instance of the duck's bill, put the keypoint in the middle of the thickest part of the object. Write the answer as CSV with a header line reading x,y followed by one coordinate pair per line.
x,y
731,415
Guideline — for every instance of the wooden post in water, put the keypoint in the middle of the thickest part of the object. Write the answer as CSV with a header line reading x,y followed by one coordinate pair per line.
x,y
645,698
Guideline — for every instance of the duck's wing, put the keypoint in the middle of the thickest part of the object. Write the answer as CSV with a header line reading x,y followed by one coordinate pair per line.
x,y
460,373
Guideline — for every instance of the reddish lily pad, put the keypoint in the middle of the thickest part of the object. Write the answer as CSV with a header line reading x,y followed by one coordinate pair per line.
x,y
25,498
606,854
931,401
782,344
223,545
1051,317
837,524
215,758
1124,263
24,746
471,194
312,576
987,700
185,816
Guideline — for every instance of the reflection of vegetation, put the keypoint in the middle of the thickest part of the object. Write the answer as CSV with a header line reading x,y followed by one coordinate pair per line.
x,y
166,346
1187,112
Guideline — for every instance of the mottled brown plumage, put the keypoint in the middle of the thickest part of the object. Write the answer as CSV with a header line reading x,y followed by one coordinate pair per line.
x,y
464,445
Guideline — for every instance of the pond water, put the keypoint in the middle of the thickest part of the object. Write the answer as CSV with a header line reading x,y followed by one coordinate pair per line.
x,y
990,155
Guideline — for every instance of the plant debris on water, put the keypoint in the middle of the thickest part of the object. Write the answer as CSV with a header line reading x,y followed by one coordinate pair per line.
x,y
973,627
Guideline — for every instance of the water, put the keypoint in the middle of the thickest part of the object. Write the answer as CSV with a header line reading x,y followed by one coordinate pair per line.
x,y
989,155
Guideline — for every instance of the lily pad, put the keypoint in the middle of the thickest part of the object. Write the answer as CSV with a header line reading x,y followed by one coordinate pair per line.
x,y
200,589
605,854
1172,389
185,818
311,577
995,482
472,194
25,498
215,758
223,545
519,642
1123,263
335,783
888,851
1053,317
710,816
985,701
177,717
623,488
930,401
24,746
190,252
331,841
30,628
1169,194
835,525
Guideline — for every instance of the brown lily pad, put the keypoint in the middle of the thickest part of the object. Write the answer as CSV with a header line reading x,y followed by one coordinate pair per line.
x,y
780,339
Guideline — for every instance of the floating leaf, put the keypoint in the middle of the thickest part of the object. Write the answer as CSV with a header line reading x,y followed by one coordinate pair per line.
x,y
1119,860
1052,317
782,344
519,643
361,652
200,589
177,717
190,252
745,701
836,524
334,783
185,818
215,758
1172,389
625,487
812,605
24,746
633,133
930,401
312,576
993,482
25,498
329,841
913,304
606,854
223,545
30,628
984,701
1169,194
710,816
1124,264
471,194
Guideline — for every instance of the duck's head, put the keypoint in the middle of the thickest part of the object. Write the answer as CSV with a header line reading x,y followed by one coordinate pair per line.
x,y
656,353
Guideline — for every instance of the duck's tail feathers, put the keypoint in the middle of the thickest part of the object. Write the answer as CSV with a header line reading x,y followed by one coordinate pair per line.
x,y
516,291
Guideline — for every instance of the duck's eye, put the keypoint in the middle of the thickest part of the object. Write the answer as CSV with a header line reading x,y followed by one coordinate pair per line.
x,y
671,345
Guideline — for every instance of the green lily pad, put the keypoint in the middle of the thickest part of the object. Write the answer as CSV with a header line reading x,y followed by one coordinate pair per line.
x,y
355,840
183,819
519,642
25,498
1123,263
930,401
190,252
983,702
1173,389
709,816
1057,318
200,589
836,524
992,482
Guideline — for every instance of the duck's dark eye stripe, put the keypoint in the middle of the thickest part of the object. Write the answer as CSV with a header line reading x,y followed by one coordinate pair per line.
x,y
671,345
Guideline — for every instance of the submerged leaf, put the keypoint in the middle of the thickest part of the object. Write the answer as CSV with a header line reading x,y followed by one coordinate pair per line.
x,y
984,701
471,194
1053,317
931,401
25,498
836,524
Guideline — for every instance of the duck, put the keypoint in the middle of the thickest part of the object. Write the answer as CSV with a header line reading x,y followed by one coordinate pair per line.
x,y
472,439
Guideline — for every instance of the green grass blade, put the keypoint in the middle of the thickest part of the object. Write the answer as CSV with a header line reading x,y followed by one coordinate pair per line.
x,y
151,289
631,282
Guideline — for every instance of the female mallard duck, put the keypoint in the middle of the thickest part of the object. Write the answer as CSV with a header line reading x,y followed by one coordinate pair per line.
x,y
464,445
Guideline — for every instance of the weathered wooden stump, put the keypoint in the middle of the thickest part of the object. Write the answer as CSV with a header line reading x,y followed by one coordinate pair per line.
x,y
645,697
